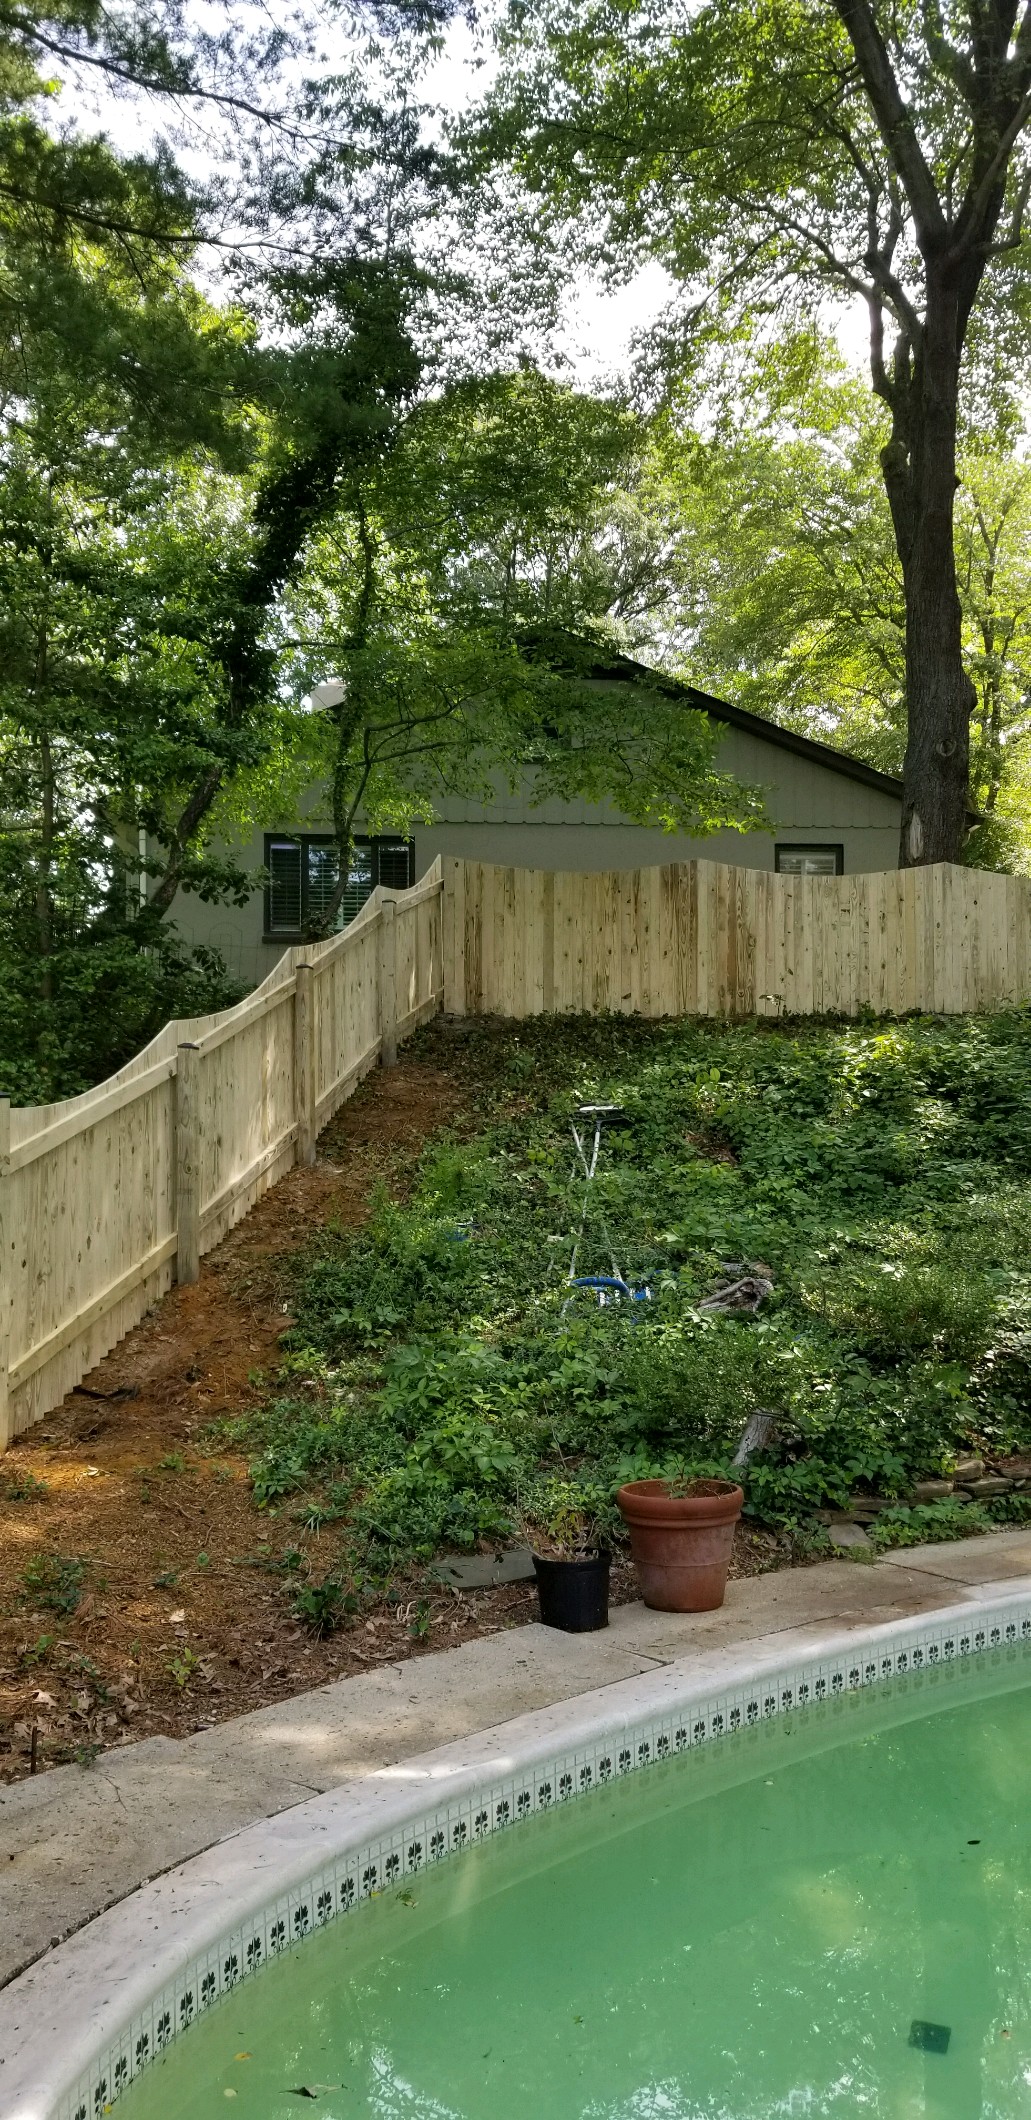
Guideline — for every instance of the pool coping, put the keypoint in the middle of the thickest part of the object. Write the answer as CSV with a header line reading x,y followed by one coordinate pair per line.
x,y
79,2025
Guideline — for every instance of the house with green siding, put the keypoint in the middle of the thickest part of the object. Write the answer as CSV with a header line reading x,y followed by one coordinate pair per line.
x,y
829,814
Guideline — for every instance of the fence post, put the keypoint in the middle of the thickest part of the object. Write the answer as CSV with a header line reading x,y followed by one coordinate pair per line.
x,y
388,985
6,1277
304,1062
187,1163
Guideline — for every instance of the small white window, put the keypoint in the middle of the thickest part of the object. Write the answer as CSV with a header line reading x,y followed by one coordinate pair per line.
x,y
809,860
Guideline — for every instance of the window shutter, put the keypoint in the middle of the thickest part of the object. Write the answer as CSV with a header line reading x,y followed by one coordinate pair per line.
x,y
284,891
359,880
323,869
394,864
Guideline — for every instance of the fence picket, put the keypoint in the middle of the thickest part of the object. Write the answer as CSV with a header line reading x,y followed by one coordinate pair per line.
x,y
304,1063
104,1197
7,1243
705,938
189,1149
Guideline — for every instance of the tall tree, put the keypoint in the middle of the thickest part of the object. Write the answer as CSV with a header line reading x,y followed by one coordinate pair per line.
x,y
459,595
788,595
776,152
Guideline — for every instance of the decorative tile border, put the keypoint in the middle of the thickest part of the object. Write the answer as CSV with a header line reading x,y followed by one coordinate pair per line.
x,y
691,1718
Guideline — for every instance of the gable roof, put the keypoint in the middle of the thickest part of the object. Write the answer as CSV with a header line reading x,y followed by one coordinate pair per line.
x,y
621,669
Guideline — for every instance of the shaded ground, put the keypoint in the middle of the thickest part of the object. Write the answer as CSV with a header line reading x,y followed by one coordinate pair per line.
x,y
183,1615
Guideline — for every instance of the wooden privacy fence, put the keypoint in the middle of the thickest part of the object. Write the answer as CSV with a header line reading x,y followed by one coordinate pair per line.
x,y
104,1199
701,937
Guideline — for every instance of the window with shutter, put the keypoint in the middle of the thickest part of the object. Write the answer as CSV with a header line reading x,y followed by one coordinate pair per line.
x,y
394,863
809,861
303,877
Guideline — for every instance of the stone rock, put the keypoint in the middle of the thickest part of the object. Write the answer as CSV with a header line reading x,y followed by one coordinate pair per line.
x,y
483,1571
844,1534
967,1469
983,1490
867,1506
933,1490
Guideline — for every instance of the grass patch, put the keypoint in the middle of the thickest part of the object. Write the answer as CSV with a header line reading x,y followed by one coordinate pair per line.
x,y
434,1389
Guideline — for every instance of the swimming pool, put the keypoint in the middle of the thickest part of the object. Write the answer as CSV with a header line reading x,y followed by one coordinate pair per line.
x,y
807,1891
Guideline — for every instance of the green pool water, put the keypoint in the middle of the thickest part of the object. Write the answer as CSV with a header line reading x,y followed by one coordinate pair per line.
x,y
750,1931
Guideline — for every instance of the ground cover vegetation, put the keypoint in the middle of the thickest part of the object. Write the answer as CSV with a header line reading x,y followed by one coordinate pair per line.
x,y
436,1392
141,1591
252,1493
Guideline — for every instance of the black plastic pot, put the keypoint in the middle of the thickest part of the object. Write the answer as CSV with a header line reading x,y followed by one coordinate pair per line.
x,y
574,1595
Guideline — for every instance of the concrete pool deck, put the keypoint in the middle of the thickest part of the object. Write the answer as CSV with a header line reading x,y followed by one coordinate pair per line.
x,y
75,1841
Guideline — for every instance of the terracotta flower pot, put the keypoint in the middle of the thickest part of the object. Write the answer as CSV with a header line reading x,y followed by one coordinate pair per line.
x,y
681,1544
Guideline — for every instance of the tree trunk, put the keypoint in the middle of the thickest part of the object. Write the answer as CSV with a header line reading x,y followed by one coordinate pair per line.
x,y
939,694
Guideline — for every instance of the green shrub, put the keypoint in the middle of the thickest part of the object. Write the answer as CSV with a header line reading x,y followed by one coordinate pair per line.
x,y
1009,1509
882,1172
414,1513
469,1453
891,1307
928,1523
322,1607
569,1516
408,1268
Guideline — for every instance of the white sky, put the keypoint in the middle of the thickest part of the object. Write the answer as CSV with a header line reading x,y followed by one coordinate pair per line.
x,y
599,326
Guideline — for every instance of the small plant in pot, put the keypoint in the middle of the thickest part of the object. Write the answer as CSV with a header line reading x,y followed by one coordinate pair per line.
x,y
681,1537
568,1526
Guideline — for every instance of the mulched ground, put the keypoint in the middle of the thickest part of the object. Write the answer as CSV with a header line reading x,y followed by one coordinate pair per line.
x,y
180,1622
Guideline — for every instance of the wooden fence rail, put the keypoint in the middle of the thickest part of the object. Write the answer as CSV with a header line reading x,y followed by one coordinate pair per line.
x,y
107,1197
703,938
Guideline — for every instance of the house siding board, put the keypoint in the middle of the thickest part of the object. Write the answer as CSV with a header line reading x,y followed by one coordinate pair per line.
x,y
807,801
590,848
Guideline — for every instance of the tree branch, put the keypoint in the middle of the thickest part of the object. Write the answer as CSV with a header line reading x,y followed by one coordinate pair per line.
x,y
1015,238
192,815
65,210
68,210
180,85
894,121
882,382
952,62
969,228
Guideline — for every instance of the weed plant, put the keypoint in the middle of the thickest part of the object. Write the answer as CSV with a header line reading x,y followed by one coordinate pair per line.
x,y
53,1582
23,1487
434,1376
